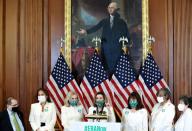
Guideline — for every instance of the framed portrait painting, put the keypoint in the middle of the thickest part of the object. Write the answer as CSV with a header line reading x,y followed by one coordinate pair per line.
x,y
84,14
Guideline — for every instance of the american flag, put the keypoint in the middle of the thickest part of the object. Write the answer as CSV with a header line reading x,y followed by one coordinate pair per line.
x,y
95,80
124,82
150,81
60,82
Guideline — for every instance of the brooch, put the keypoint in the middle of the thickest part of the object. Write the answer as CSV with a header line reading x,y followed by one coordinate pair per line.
x,y
46,109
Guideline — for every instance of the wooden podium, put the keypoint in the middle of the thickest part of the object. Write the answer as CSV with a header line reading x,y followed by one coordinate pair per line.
x,y
95,126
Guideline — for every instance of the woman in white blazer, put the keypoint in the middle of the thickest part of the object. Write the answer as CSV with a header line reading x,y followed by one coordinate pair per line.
x,y
135,116
163,112
101,107
184,123
43,114
72,111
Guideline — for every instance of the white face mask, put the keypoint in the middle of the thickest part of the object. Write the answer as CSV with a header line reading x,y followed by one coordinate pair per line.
x,y
41,99
160,99
181,107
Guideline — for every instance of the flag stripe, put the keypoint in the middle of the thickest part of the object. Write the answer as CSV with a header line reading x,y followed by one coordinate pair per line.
x,y
63,92
121,105
50,89
119,94
86,94
118,88
54,100
119,113
118,108
53,84
162,82
153,92
99,88
55,91
108,90
86,97
87,86
127,91
146,104
146,92
146,97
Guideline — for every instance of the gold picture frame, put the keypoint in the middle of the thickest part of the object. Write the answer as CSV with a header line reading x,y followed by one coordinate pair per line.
x,y
68,30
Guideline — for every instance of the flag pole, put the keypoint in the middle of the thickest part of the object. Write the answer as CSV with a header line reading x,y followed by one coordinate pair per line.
x,y
59,125
124,46
151,41
96,40
62,41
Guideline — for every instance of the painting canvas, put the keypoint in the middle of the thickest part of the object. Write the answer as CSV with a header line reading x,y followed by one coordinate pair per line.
x,y
87,13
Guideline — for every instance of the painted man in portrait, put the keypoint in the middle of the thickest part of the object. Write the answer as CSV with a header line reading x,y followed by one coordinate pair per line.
x,y
113,27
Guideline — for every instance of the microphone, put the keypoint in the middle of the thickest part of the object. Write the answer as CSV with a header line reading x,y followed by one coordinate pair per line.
x,y
104,113
100,113
94,112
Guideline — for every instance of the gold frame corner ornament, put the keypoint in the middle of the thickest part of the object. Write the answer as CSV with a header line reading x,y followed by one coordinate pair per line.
x,y
68,30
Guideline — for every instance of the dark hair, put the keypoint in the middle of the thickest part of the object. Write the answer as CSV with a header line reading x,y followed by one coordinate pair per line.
x,y
135,95
104,98
46,93
166,92
99,93
185,99
190,102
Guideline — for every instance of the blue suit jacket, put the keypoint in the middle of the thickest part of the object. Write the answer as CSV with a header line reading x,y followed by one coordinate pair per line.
x,y
110,47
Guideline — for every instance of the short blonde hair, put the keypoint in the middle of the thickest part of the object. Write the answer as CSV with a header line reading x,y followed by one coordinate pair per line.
x,y
69,96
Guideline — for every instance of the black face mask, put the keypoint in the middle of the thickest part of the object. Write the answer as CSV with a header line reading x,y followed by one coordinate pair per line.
x,y
15,109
